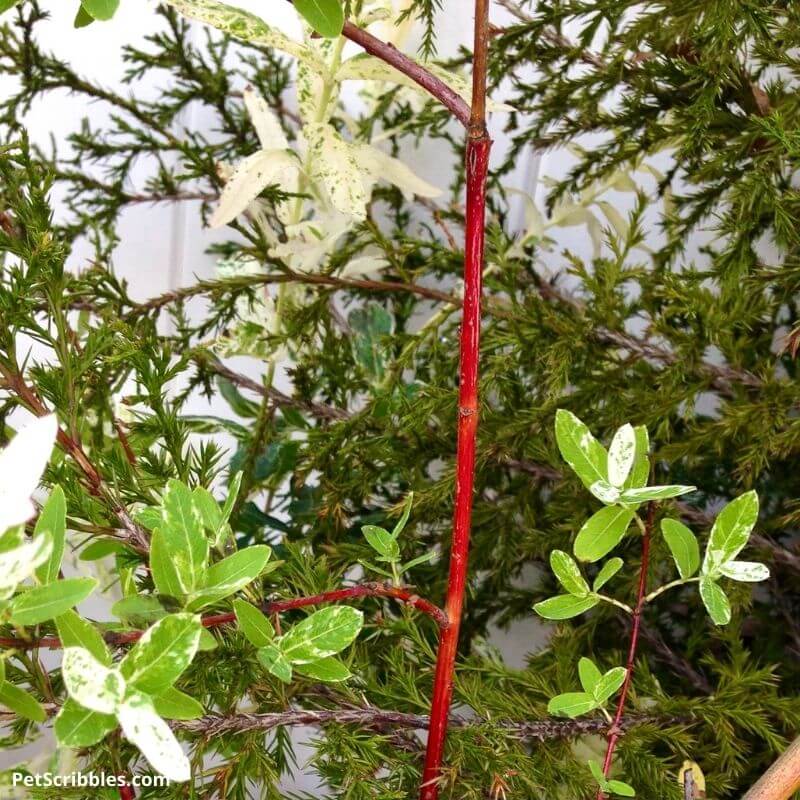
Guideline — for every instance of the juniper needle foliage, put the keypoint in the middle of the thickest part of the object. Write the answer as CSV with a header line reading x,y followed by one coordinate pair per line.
x,y
674,341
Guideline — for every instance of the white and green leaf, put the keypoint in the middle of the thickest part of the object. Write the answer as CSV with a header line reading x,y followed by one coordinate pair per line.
x,y
90,683
585,455
568,573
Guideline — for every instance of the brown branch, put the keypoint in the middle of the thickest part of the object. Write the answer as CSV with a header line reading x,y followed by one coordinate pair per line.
x,y
615,730
390,55
400,593
540,730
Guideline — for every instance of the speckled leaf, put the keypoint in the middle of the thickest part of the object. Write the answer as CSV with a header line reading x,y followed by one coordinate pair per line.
x,y
568,573
184,537
621,455
641,465
324,633
730,532
609,684
250,178
90,683
144,728
228,576
239,24
156,661
333,164
76,726
586,456
18,563
715,601
646,493
275,662
383,167
747,571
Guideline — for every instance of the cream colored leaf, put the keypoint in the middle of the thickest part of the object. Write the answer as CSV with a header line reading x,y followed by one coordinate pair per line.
x,y
269,130
20,562
250,178
333,164
144,728
381,166
22,463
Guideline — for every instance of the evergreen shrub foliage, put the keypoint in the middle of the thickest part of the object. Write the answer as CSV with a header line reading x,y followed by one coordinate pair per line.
x,y
682,124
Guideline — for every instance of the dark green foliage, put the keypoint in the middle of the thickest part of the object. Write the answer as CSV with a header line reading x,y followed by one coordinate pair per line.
x,y
690,341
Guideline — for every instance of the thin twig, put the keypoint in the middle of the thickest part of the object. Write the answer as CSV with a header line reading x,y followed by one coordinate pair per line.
x,y
402,594
615,730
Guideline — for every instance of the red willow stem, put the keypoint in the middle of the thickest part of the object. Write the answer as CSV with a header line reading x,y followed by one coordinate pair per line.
x,y
477,163
273,607
126,793
615,730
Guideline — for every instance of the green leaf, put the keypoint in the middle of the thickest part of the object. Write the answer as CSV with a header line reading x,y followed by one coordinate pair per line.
x,y
22,703
324,633
683,545
586,456
647,493
184,537
747,571
234,484
565,606
174,704
602,532
568,574
275,662
208,507
100,9
77,632
101,548
589,674
382,542
730,532
228,576
641,466
163,568
326,669
609,684
53,521
597,773
76,726
715,601
370,325
253,624
165,650
608,571
239,404
148,517
7,5
207,642
620,788
401,523
83,20
571,704
45,602
139,607
415,562
326,17
621,455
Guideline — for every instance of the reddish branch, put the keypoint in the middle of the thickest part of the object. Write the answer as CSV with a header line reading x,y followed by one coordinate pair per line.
x,y
477,163
616,729
401,594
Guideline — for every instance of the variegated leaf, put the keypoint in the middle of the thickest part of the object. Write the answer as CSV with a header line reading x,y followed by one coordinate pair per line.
x,y
91,683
